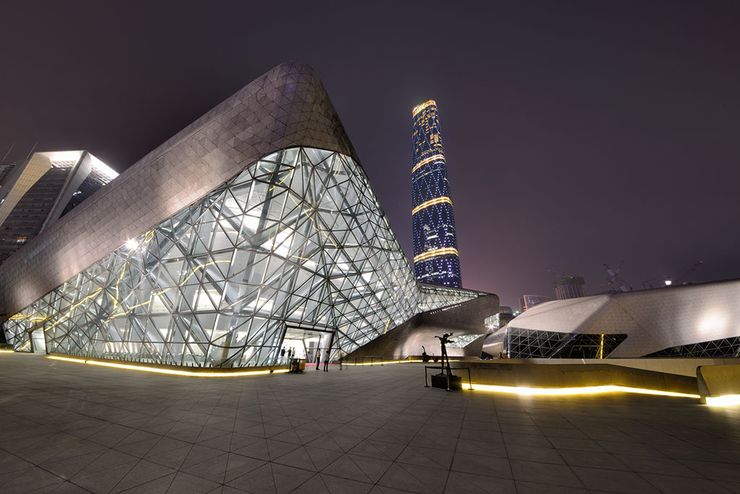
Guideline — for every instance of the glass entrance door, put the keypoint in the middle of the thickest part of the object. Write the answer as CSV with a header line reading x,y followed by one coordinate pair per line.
x,y
306,343
38,342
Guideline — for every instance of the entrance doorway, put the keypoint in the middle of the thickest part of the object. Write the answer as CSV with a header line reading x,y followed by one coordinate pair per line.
x,y
38,342
306,342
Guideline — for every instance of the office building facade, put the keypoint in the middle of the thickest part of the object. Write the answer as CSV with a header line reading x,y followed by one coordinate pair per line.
x,y
36,192
529,301
569,287
436,257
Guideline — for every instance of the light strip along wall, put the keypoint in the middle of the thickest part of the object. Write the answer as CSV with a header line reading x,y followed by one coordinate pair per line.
x,y
584,390
436,253
431,202
428,160
171,372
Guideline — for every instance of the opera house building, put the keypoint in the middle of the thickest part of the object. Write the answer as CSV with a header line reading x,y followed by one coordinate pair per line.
x,y
252,230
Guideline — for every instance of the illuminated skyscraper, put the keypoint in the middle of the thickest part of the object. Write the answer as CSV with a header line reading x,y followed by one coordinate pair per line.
x,y
436,259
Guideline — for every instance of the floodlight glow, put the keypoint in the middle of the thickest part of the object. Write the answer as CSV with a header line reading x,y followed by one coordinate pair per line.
x,y
132,244
575,391
171,372
103,169
723,401
384,362
713,321
63,159
668,282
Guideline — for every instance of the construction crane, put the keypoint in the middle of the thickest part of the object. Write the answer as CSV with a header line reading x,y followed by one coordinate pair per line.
x,y
616,283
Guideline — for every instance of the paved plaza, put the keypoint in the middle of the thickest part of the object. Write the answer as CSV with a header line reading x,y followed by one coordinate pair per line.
x,y
75,428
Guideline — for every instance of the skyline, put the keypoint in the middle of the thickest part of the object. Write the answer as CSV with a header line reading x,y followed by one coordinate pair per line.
x,y
576,137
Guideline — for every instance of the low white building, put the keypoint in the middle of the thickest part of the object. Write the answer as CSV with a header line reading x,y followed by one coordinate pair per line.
x,y
701,320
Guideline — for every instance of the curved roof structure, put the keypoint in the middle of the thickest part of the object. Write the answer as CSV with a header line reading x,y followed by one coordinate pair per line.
x,y
692,320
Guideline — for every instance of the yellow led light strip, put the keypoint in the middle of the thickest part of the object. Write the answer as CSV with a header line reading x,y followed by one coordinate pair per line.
x,y
431,202
584,390
423,106
7,351
436,253
384,362
723,401
171,372
428,160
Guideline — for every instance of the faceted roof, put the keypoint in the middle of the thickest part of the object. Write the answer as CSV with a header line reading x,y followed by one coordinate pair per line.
x,y
287,106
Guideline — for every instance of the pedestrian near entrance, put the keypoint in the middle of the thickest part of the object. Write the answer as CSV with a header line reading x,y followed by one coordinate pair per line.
x,y
326,361
282,355
318,358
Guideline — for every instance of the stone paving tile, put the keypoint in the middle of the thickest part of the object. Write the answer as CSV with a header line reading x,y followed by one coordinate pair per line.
x,y
680,485
536,488
595,459
69,429
613,480
486,465
542,455
544,473
468,483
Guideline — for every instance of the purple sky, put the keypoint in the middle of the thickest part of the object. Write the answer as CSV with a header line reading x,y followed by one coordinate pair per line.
x,y
577,133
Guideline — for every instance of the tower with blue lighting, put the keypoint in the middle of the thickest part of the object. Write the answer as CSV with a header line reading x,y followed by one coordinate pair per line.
x,y
436,258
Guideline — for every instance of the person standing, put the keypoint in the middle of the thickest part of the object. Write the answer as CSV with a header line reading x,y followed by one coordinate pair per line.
x,y
282,356
326,360
318,358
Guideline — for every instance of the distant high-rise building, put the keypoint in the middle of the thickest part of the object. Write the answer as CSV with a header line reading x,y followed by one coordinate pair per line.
x,y
436,258
529,301
569,287
500,319
36,192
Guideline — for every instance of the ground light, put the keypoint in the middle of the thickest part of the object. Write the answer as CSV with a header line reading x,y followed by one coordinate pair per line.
x,y
717,401
384,362
171,372
585,390
723,401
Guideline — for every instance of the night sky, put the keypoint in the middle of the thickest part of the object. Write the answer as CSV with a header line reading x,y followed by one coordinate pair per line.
x,y
577,133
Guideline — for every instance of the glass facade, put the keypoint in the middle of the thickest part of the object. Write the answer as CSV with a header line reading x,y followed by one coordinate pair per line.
x,y
296,240
721,348
529,343
436,258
